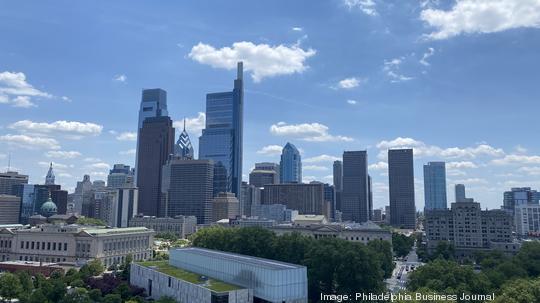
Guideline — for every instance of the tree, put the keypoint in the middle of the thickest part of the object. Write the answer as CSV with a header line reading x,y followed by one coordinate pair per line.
x,y
112,298
383,249
166,300
10,287
25,281
168,236
443,250
91,269
95,295
37,296
402,244
126,267
520,291
528,258
78,295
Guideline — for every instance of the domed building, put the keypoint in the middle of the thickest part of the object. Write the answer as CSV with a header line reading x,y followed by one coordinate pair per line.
x,y
48,208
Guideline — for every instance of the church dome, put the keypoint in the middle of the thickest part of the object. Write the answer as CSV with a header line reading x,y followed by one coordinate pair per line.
x,y
48,208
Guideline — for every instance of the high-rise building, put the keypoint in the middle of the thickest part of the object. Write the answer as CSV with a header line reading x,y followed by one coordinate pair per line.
x,y
259,178
156,141
370,198
10,178
338,175
290,165
225,206
9,209
183,147
435,185
121,208
82,195
222,138
527,220
355,194
401,183
330,200
26,193
267,166
49,179
306,198
120,176
519,196
250,200
460,193
187,188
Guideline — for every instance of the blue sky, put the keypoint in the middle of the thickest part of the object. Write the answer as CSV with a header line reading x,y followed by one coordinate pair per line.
x,y
457,81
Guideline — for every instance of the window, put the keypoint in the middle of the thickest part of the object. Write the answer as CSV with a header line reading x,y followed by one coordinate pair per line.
x,y
32,245
48,245
54,246
65,246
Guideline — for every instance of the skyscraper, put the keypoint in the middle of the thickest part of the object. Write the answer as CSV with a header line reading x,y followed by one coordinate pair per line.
x,y
401,183
10,178
156,141
49,179
370,198
460,193
338,175
519,196
435,185
290,165
259,178
183,147
120,176
355,194
222,138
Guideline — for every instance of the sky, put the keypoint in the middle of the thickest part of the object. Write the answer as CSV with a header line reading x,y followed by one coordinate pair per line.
x,y
457,81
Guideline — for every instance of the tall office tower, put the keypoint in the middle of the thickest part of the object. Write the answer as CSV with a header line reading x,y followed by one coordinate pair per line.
x,y
225,206
82,195
222,138
268,166
120,176
153,104
330,200
250,200
338,175
519,196
370,198
183,147
9,209
460,192
187,188
259,178
401,183
156,142
26,193
119,206
49,179
355,194
10,178
59,197
435,185
290,165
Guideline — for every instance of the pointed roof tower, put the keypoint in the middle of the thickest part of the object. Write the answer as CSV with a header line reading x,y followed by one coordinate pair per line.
x,y
49,179
183,147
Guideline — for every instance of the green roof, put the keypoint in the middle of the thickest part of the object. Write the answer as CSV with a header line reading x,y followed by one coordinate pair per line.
x,y
114,230
212,284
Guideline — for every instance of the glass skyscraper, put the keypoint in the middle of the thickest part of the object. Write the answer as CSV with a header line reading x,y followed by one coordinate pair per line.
x,y
401,188
290,165
435,185
355,196
222,138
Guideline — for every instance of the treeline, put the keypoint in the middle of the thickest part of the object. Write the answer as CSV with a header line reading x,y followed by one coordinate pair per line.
x,y
335,266
513,279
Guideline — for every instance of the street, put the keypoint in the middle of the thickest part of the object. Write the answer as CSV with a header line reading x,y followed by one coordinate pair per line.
x,y
398,281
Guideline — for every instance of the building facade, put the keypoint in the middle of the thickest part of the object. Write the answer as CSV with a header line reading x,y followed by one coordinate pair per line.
x,y
435,185
222,137
401,188
527,220
120,176
225,206
290,165
355,194
10,207
519,196
181,226
10,178
259,178
306,198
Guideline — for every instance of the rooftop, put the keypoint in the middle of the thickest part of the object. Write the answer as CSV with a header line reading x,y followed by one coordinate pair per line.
x,y
166,268
258,262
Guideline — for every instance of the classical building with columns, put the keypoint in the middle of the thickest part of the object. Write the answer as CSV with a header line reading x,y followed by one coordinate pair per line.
x,y
75,244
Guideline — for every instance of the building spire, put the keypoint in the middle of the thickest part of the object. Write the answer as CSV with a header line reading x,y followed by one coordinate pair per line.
x,y
240,70
183,147
49,179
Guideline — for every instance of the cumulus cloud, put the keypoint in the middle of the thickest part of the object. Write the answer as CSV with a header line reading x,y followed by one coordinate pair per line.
x,y
98,165
120,78
422,149
349,83
261,60
28,142
313,132
129,152
72,128
368,7
127,136
321,158
62,154
430,52
16,91
461,164
56,165
270,150
517,159
315,167
193,125
481,16
379,166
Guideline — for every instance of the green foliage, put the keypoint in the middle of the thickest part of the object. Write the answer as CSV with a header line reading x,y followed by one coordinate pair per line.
x,y
25,281
383,249
520,291
10,287
38,297
78,295
90,269
112,298
126,267
90,221
166,300
168,236
402,244
95,295
528,258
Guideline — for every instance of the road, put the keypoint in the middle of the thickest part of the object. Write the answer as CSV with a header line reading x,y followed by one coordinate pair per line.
x,y
403,268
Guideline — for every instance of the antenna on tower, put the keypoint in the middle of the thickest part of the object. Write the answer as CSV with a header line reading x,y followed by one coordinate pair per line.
x,y
9,162
184,123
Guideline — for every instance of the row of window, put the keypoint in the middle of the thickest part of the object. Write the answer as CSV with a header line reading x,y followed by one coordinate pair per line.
x,y
5,243
37,245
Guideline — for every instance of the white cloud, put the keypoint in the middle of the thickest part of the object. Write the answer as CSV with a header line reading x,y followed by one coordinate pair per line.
x,y
120,78
520,149
313,132
72,128
314,167
56,165
321,158
349,83
127,136
193,125
15,90
99,165
430,52
368,7
532,171
297,29
270,150
23,102
262,60
129,152
307,179
482,16
517,159
470,181
62,154
391,68
65,175
461,164
66,98
90,159
29,142
378,166
423,150
352,102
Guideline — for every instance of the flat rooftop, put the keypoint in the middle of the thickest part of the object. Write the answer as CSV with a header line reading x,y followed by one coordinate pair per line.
x,y
258,262
179,273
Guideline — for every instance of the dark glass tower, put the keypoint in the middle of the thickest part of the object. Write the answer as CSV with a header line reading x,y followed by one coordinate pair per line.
x,y
222,138
290,165
401,183
435,185
355,194
156,142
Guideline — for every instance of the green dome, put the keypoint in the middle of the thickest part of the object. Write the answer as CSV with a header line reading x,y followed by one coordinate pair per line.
x,y
48,208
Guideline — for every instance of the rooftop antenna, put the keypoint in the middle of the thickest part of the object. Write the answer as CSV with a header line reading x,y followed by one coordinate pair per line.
x,y
9,162
184,123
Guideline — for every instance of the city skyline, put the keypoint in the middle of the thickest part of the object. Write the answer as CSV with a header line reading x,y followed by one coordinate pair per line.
x,y
315,99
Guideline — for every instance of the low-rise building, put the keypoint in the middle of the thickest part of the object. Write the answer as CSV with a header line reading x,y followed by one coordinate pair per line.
x,y
75,244
195,275
278,212
307,220
183,226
